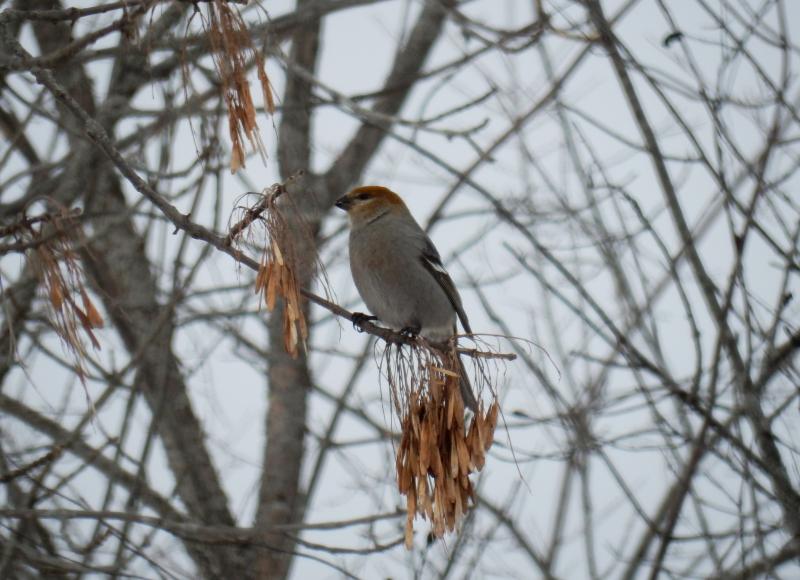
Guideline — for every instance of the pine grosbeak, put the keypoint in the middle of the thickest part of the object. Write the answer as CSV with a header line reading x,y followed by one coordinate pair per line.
x,y
398,271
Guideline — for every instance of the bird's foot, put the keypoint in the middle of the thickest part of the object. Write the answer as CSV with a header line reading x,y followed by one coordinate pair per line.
x,y
359,318
410,332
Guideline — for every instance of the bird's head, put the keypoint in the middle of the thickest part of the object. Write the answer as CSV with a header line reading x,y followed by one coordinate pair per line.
x,y
369,202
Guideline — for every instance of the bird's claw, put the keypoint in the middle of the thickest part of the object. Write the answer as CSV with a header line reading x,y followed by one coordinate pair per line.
x,y
410,332
359,318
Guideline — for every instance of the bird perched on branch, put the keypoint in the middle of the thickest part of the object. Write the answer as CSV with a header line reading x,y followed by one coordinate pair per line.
x,y
399,274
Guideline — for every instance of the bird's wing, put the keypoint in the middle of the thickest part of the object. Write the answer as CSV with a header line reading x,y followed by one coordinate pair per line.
x,y
433,263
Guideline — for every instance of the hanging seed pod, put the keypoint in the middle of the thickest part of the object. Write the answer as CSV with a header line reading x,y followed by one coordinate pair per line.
x,y
436,454
231,48
276,277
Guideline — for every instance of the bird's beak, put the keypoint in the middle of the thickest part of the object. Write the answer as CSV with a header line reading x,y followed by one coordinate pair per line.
x,y
344,203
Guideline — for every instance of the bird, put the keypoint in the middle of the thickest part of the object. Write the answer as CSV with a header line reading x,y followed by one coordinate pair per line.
x,y
399,274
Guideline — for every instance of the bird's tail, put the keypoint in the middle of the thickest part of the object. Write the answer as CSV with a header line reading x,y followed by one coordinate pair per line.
x,y
466,388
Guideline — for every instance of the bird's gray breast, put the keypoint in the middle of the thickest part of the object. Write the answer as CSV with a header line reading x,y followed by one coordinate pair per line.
x,y
388,272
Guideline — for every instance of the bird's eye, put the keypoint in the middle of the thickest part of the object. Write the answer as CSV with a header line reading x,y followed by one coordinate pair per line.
x,y
363,196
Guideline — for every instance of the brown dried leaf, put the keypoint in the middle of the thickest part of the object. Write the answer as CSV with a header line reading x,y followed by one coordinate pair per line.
x,y
276,252
425,443
303,327
94,317
477,460
273,283
237,155
423,497
437,390
261,277
445,371
409,539
463,456
292,312
449,487
450,522
491,425
411,457
404,480
429,508
458,507
290,337
266,86
415,424
450,412
436,464
56,296
453,459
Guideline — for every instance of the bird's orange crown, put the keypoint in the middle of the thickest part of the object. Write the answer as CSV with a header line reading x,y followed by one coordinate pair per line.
x,y
377,192
364,201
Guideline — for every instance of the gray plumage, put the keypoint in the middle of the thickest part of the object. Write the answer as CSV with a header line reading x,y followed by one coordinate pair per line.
x,y
404,289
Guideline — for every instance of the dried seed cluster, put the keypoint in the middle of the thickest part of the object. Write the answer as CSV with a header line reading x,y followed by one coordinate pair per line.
x,y
276,274
231,43
437,453
275,277
56,263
